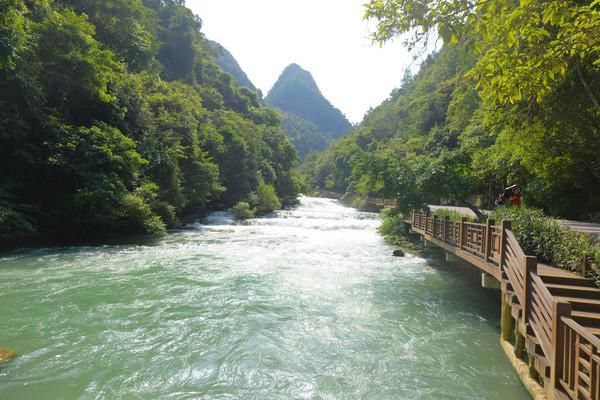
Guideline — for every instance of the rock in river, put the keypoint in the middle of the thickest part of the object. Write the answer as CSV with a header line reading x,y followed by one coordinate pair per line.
x,y
6,355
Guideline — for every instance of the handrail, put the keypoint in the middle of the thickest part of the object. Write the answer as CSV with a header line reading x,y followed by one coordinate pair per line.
x,y
571,350
580,355
541,313
581,331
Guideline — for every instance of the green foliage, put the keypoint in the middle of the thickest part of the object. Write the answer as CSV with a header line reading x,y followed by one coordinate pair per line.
x,y
543,237
395,230
66,47
305,135
452,215
13,33
124,26
435,138
242,210
138,212
114,116
510,98
266,199
12,218
392,223
360,203
527,48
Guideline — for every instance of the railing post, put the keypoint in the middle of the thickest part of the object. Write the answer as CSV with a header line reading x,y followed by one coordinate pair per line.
x,y
559,310
435,220
446,221
529,266
584,265
462,237
488,239
506,225
413,219
426,223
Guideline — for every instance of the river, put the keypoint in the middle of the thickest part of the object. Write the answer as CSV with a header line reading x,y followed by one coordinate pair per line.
x,y
307,304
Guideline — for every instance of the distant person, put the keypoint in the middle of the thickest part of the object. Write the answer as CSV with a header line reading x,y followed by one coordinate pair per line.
x,y
499,200
514,198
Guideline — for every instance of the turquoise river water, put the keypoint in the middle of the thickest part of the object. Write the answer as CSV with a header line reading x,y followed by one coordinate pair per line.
x,y
307,304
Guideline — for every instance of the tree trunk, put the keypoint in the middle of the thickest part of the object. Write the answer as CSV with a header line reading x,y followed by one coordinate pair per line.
x,y
587,88
476,210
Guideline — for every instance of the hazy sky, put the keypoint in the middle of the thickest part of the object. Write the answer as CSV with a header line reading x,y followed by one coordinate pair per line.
x,y
326,37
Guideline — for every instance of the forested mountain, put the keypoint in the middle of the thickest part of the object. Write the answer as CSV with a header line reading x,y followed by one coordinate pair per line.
x,y
229,64
306,136
296,94
114,116
441,136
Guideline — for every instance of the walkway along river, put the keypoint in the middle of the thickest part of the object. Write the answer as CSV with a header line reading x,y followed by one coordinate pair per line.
x,y
309,304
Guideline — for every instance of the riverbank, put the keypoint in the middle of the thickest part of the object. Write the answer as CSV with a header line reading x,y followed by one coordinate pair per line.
x,y
93,237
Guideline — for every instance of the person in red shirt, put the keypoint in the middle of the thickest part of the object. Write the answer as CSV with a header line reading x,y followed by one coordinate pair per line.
x,y
515,196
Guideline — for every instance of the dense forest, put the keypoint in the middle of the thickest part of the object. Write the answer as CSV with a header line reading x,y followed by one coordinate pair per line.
x,y
511,98
114,117
308,117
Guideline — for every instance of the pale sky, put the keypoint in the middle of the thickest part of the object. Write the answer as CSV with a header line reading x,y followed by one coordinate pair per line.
x,y
326,37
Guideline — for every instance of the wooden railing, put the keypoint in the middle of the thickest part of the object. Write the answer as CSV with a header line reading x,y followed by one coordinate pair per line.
x,y
473,239
512,265
569,360
495,243
539,313
579,371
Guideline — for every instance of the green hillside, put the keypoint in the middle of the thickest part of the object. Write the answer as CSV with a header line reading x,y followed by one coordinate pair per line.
x,y
229,64
305,135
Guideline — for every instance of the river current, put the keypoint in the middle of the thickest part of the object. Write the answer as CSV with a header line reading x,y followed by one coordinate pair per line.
x,y
306,304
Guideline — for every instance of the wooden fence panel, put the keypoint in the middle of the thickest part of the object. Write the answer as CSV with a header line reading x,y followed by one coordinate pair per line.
x,y
580,375
474,239
495,250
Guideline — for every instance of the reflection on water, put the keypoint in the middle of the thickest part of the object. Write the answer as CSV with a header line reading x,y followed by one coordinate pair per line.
x,y
305,304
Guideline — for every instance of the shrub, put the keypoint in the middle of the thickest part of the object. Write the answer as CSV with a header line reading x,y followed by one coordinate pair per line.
x,y
266,198
453,215
360,203
543,237
242,210
11,218
140,215
392,223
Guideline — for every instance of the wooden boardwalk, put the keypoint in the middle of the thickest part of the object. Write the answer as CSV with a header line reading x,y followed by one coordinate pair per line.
x,y
550,316
589,228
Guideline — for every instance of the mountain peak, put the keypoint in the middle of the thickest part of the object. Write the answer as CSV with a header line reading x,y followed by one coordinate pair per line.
x,y
294,68
296,92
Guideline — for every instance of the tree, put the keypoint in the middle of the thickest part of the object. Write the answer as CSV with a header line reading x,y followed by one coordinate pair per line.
x,y
13,34
527,48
